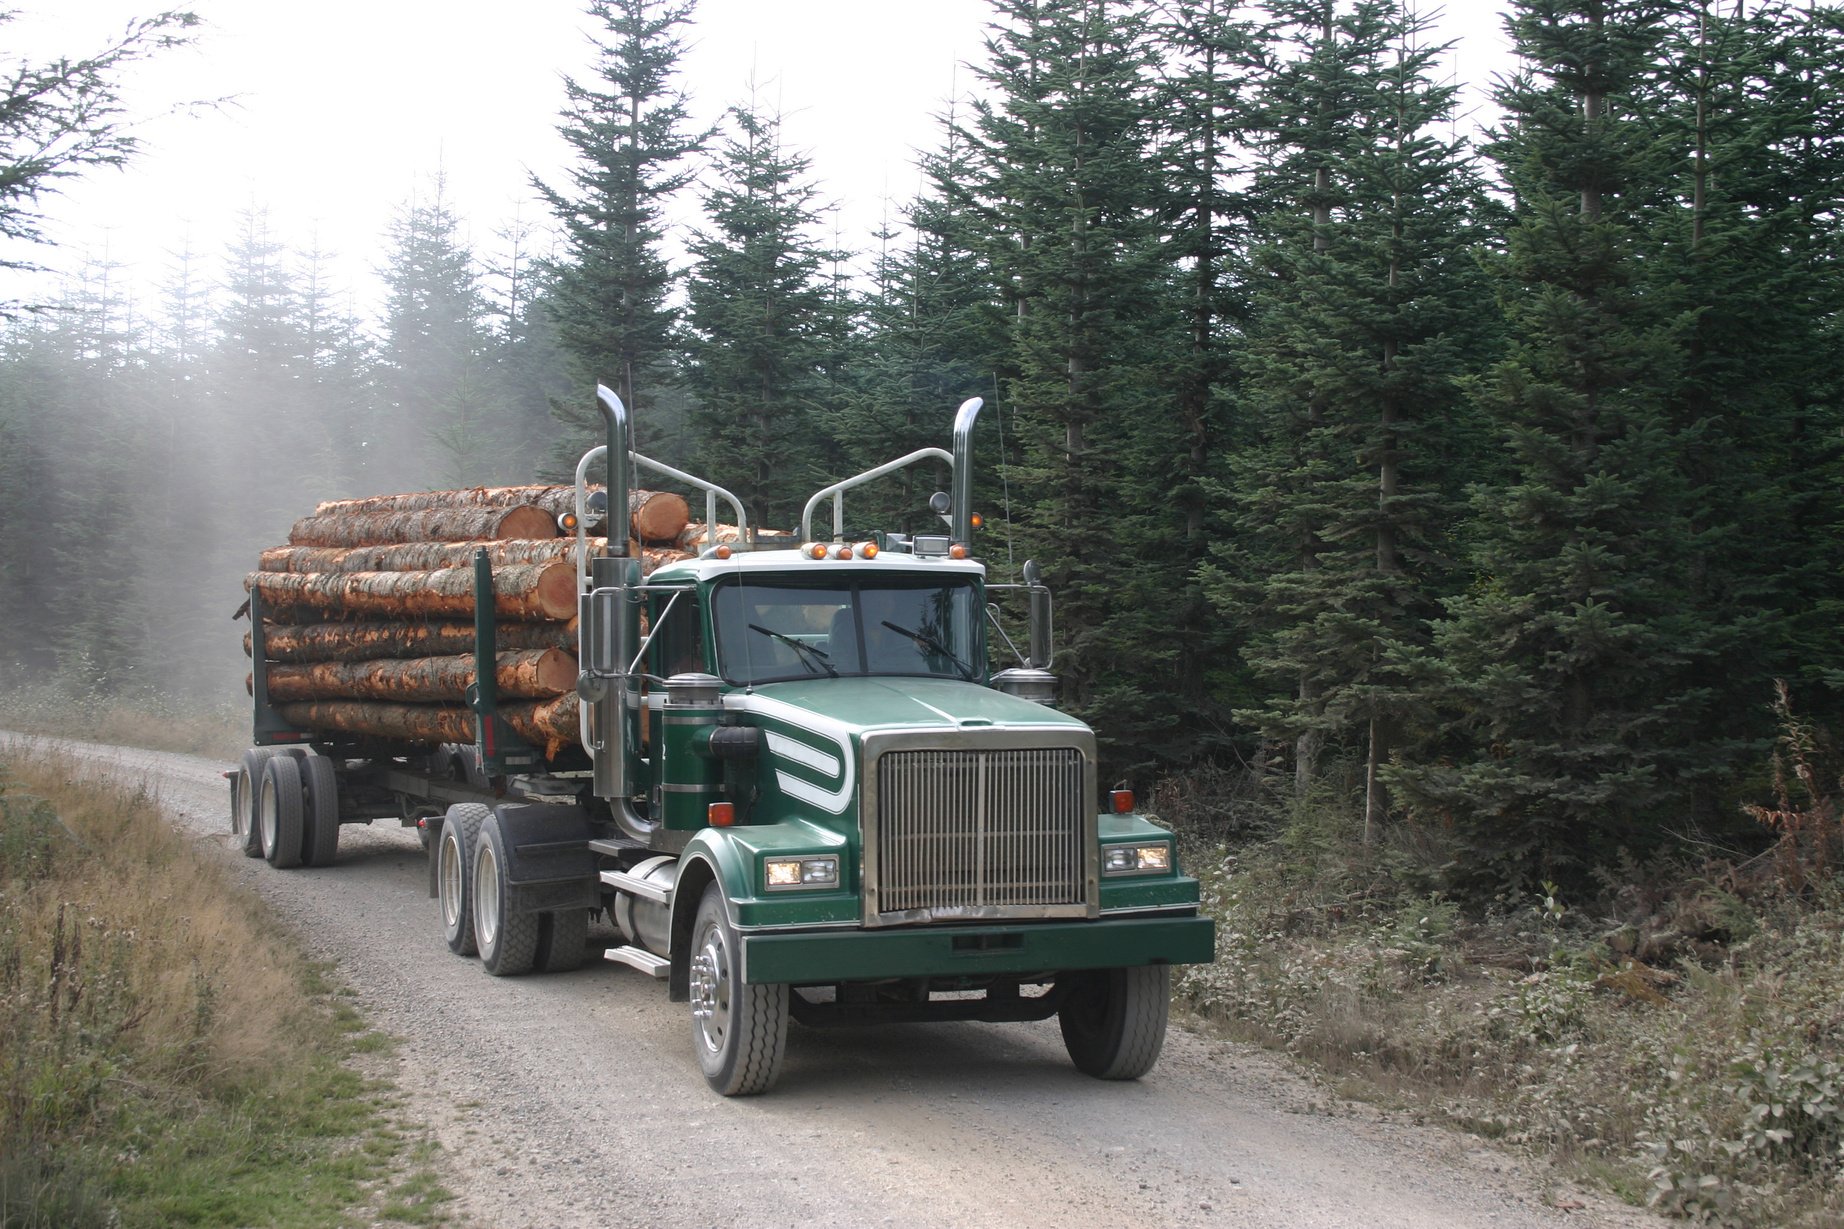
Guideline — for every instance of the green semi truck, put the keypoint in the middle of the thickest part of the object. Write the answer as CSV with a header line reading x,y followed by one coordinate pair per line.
x,y
807,787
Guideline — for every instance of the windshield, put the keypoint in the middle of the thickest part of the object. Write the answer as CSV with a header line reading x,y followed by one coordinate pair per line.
x,y
772,631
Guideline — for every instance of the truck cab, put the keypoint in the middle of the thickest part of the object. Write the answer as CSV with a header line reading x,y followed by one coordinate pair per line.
x,y
824,786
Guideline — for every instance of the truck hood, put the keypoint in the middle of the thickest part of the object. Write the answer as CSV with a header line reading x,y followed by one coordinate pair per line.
x,y
864,704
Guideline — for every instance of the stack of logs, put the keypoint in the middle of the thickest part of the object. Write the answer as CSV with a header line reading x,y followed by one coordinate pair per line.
x,y
368,611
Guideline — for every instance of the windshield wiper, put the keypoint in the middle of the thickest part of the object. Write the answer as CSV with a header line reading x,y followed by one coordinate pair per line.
x,y
928,641
818,659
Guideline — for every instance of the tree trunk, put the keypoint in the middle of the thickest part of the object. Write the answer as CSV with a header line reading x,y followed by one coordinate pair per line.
x,y
370,641
420,556
526,674
531,592
549,724
424,525
653,516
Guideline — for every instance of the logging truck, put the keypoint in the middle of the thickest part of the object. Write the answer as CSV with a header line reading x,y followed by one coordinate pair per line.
x,y
810,779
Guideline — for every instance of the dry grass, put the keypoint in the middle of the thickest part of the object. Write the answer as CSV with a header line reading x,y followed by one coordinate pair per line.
x,y
1702,1078
171,1057
149,720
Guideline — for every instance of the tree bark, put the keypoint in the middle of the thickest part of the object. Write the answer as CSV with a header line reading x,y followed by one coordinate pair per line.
x,y
425,525
531,592
369,641
548,724
525,674
653,516
420,556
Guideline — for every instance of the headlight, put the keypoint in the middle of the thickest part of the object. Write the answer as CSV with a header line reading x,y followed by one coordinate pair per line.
x,y
803,872
1137,859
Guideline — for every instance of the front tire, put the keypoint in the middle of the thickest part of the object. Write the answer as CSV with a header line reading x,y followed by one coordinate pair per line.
x,y
508,941
739,1031
1114,1020
454,874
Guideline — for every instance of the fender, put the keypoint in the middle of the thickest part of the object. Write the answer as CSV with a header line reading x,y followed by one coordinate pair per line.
x,y
548,861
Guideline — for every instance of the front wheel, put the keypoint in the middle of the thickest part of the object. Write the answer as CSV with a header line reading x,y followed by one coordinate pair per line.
x,y
1114,1020
740,1031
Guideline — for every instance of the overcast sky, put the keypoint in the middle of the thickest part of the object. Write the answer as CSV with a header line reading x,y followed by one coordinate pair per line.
x,y
343,109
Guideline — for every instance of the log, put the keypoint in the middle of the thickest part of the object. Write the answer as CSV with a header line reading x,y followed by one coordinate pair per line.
x,y
415,723
521,592
657,516
425,525
552,498
697,535
420,556
368,641
528,674
653,516
549,724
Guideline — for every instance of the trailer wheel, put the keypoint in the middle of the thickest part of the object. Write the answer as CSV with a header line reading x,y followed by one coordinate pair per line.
x,y
740,1031
246,786
508,941
1114,1020
280,807
320,841
454,874
563,940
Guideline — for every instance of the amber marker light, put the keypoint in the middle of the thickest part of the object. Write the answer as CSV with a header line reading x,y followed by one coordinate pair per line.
x,y
1121,800
722,552
814,550
978,521
721,814
867,550
842,551
959,551
567,522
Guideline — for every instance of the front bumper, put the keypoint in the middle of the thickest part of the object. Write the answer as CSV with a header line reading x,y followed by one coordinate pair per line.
x,y
822,956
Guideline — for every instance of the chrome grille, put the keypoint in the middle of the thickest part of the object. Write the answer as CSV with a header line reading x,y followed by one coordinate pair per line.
x,y
980,833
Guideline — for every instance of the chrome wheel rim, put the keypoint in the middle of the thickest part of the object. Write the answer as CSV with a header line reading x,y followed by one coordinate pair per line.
x,y
710,992
267,811
486,895
449,878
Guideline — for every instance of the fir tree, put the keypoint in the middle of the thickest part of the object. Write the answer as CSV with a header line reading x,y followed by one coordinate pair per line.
x,y
1577,662
610,289
758,317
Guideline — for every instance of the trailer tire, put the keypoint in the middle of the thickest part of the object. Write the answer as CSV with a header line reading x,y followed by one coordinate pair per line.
x,y
563,940
1114,1020
508,941
280,807
454,874
320,841
739,1031
246,788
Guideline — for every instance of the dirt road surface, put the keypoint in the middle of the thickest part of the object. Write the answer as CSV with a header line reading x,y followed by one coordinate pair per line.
x,y
574,1099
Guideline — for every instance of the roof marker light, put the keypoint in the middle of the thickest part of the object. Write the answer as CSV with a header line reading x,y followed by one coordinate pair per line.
x,y
842,551
722,552
959,551
814,550
867,550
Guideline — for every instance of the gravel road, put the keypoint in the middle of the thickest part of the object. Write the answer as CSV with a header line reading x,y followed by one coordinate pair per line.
x,y
575,1099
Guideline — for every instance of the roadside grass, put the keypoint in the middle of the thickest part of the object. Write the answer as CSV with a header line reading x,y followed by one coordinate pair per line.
x,y
147,719
1678,1041
171,1057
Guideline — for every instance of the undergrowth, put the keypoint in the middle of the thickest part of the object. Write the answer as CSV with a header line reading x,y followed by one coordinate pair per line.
x,y
169,1058
1678,1038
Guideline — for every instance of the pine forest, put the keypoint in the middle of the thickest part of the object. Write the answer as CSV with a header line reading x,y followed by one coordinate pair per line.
x,y
1484,481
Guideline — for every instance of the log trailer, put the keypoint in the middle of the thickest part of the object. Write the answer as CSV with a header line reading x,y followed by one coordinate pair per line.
x,y
800,792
